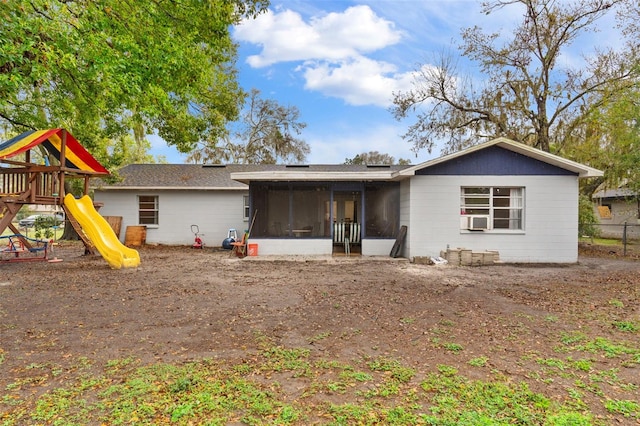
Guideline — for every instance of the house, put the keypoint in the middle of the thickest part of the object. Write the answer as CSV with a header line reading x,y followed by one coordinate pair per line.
x,y
500,195
169,198
615,208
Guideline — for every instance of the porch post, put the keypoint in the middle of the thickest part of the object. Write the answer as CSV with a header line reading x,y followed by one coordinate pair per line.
x,y
63,162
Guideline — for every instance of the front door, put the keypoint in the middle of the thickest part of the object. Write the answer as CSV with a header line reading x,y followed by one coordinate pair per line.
x,y
346,212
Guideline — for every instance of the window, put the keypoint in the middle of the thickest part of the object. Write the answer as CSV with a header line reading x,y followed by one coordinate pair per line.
x,y
245,209
148,209
605,211
483,208
290,210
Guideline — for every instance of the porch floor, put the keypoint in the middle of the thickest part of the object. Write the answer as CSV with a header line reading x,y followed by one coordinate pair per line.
x,y
339,250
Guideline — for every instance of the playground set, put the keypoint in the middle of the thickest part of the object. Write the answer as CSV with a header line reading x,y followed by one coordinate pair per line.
x,y
24,182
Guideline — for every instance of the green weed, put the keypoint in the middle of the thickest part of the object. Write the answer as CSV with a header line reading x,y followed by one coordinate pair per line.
x,y
616,303
358,376
627,326
624,407
573,337
397,370
479,361
453,347
320,336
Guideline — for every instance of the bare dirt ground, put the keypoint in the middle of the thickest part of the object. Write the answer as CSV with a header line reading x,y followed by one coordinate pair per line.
x,y
184,304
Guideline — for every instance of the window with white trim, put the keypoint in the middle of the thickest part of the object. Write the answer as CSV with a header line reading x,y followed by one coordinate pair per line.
x,y
484,208
148,209
245,209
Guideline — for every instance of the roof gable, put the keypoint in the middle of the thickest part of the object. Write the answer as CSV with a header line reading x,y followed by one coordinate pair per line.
x,y
494,161
516,147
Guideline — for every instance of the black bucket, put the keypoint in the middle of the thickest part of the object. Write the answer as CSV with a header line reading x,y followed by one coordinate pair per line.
x,y
226,243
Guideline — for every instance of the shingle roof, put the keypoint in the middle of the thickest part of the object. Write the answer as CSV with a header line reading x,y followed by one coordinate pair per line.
x,y
218,177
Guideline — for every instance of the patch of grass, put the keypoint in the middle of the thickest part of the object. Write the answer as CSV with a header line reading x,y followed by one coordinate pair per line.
x,y
581,364
379,390
609,348
282,359
337,387
599,345
589,387
320,336
628,326
624,407
573,337
357,376
392,366
601,241
350,413
457,400
552,362
449,346
605,376
453,347
617,303
479,361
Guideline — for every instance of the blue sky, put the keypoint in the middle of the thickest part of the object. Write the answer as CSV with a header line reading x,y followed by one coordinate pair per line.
x,y
339,61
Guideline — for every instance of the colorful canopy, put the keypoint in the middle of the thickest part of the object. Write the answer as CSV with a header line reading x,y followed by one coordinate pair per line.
x,y
76,157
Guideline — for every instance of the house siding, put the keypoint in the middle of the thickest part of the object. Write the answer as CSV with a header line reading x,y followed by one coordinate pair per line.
x,y
405,214
214,213
550,218
317,246
494,161
291,246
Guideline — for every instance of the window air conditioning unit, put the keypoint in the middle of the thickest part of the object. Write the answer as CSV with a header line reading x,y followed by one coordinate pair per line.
x,y
478,222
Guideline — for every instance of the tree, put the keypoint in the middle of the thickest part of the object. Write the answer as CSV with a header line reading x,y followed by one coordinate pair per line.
x,y
102,68
527,96
375,157
611,142
264,135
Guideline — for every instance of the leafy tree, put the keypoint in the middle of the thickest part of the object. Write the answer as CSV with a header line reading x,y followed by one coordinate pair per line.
x,y
527,95
126,150
610,140
587,219
375,157
102,68
264,135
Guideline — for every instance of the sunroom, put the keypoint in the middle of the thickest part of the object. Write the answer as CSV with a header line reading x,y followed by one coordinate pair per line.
x,y
316,210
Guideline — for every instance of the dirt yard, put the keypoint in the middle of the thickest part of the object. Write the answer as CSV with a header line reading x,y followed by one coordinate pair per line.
x,y
184,304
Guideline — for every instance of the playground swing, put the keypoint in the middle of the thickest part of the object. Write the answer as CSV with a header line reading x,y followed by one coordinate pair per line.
x,y
19,248
26,182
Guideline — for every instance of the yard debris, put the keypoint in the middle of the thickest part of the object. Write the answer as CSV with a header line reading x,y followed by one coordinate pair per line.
x,y
433,260
465,257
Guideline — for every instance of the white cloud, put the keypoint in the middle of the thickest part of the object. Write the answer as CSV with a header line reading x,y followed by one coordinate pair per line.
x,y
284,36
359,81
332,48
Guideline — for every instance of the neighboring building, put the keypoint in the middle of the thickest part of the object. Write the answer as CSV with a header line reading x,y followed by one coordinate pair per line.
x,y
615,208
500,195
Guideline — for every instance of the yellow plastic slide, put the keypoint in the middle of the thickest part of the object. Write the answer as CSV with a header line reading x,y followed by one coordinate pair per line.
x,y
101,234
